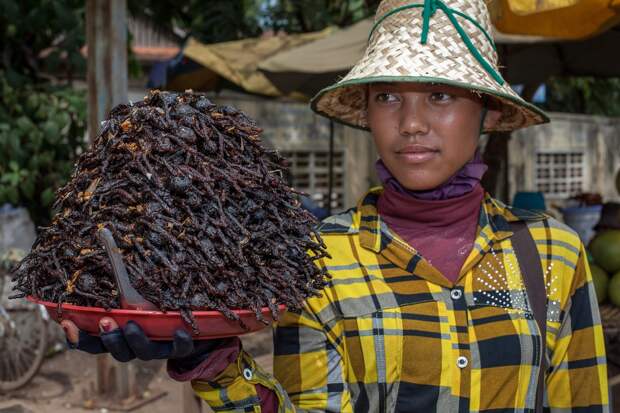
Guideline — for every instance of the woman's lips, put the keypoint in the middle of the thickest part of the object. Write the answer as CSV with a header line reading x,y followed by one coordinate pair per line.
x,y
417,153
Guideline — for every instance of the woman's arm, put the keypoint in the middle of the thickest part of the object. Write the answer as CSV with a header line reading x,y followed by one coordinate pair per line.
x,y
577,377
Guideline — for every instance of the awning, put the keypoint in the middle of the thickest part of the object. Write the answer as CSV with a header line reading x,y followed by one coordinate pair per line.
x,y
237,62
536,62
306,68
565,19
525,7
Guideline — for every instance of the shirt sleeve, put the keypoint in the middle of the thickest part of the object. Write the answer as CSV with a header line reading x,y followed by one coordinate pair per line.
x,y
309,364
577,376
307,368
210,368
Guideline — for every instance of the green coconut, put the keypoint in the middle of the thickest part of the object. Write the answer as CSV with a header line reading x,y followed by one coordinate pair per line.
x,y
605,249
601,282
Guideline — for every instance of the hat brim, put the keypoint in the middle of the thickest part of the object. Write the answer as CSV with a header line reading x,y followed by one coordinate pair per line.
x,y
345,102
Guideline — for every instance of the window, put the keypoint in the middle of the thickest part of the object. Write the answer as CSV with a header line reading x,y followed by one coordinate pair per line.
x,y
309,172
560,174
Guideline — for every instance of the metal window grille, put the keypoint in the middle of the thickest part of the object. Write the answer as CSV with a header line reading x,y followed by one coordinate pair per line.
x,y
309,173
560,174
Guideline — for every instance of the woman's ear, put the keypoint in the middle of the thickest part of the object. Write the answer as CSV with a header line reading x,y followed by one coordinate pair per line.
x,y
491,119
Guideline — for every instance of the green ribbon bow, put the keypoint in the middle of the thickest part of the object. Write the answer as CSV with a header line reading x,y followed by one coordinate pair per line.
x,y
429,8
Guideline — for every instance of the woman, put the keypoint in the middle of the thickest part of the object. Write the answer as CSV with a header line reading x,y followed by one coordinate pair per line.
x,y
427,309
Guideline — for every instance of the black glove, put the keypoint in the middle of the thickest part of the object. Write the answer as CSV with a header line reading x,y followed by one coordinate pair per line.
x,y
130,342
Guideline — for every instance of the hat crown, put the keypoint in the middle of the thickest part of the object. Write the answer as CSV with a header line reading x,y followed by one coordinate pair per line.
x,y
445,21
476,9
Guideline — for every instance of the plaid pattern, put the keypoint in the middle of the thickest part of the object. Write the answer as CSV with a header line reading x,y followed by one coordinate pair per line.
x,y
391,334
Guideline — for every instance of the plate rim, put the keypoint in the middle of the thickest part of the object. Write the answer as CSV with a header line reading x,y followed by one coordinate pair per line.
x,y
170,314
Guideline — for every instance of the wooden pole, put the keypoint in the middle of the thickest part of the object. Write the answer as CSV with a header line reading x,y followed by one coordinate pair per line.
x,y
106,40
330,189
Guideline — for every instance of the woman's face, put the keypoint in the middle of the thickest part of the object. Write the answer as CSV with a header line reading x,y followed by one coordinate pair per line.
x,y
425,133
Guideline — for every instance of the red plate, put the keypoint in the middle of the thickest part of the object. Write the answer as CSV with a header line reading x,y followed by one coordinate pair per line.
x,y
158,325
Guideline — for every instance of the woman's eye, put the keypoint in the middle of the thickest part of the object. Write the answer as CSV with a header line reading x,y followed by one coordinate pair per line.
x,y
385,98
440,97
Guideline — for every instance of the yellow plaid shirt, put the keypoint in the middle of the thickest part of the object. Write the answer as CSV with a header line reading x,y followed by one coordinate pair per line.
x,y
391,334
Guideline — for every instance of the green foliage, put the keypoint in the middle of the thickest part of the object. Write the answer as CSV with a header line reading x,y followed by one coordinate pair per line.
x,y
209,21
593,96
296,16
41,126
225,20
41,134
41,36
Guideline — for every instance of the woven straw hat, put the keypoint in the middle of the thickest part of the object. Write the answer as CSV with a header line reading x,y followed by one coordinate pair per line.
x,y
429,41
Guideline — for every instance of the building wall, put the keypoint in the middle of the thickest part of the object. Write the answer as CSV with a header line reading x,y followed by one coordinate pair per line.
x,y
361,156
598,138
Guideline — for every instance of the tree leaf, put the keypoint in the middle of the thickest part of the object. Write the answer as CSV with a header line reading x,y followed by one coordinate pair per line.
x,y
12,195
28,188
47,197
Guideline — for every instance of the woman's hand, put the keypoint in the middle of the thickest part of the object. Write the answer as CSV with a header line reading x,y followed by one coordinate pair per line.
x,y
129,342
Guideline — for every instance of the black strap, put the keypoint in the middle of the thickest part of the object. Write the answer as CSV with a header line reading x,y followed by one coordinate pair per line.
x,y
534,280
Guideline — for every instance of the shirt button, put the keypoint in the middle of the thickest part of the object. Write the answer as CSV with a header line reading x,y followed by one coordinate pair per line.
x,y
247,374
456,294
462,362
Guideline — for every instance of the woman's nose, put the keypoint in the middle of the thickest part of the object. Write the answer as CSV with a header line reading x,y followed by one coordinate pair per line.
x,y
413,117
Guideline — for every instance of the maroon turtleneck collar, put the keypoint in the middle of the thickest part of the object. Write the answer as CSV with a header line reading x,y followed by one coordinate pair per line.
x,y
442,231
